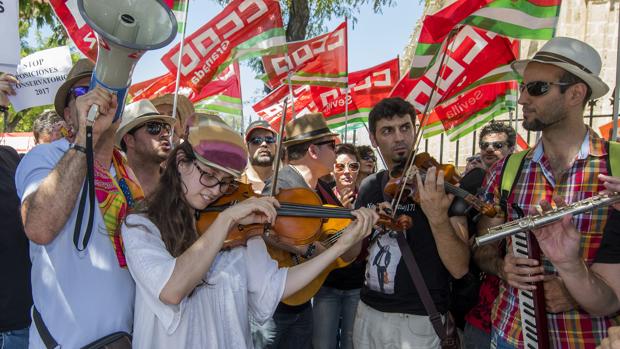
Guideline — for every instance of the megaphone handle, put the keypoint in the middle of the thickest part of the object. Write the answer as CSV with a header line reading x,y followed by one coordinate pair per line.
x,y
92,113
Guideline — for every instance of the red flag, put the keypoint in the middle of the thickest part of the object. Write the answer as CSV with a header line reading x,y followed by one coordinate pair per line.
x,y
454,112
81,34
270,107
243,29
321,60
366,88
227,82
470,55
165,84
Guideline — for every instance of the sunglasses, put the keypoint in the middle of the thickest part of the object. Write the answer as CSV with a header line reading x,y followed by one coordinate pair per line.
x,y
227,186
77,91
154,128
539,88
369,158
473,158
495,145
260,140
330,143
352,166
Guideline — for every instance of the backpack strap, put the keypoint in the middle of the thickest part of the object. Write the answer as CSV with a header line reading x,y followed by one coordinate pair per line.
x,y
613,152
510,172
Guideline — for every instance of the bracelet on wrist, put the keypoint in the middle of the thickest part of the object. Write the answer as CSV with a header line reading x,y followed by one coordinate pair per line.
x,y
77,147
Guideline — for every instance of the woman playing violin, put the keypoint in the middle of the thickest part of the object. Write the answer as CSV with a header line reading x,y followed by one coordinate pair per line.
x,y
189,292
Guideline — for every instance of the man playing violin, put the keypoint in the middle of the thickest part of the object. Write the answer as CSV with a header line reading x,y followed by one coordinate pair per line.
x,y
391,313
310,147
564,166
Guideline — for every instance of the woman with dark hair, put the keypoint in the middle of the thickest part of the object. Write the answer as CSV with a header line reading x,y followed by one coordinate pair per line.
x,y
368,162
189,292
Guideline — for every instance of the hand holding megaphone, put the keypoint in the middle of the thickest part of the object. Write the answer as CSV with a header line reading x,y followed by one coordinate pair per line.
x,y
106,104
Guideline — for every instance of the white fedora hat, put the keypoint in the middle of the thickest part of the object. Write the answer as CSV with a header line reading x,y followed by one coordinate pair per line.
x,y
136,114
575,57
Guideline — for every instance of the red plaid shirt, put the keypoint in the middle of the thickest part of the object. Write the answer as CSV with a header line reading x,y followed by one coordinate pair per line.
x,y
573,329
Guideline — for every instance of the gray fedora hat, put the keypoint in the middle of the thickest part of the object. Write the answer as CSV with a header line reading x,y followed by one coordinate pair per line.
x,y
575,57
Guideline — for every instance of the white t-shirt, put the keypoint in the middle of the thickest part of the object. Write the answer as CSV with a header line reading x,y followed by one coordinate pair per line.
x,y
81,296
241,282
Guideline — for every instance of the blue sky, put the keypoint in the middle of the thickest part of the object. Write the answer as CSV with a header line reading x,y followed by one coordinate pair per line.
x,y
374,39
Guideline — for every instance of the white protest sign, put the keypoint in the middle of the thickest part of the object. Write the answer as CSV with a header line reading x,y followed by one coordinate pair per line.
x,y
40,75
9,54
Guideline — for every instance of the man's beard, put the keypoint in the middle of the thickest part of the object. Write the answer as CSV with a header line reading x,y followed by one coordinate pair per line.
x,y
262,160
539,125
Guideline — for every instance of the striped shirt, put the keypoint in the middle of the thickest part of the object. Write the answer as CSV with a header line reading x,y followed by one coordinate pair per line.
x,y
573,329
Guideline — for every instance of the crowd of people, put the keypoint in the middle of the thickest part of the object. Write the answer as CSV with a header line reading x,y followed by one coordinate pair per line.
x,y
156,260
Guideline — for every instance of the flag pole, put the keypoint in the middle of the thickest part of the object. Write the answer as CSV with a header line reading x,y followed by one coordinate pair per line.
x,y
346,110
614,134
346,97
241,98
178,79
290,91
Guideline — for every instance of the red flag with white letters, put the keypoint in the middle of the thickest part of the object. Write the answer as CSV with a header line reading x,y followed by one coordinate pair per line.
x,y
243,29
321,60
366,88
270,108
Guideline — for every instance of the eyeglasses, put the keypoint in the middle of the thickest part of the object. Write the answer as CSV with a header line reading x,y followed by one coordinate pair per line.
x,y
227,186
352,166
331,143
369,158
154,128
473,158
260,140
495,145
539,88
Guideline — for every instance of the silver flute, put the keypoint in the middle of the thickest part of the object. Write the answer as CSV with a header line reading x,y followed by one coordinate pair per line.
x,y
540,220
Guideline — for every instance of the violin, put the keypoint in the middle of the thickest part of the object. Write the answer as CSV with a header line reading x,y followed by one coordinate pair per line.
x,y
422,162
299,218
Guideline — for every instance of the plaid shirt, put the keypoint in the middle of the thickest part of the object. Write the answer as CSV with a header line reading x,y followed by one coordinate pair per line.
x,y
573,329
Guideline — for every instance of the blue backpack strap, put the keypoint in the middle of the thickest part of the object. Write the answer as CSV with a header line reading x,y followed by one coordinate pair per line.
x,y
510,171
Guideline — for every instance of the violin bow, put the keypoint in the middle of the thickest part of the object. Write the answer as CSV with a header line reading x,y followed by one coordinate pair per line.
x,y
425,115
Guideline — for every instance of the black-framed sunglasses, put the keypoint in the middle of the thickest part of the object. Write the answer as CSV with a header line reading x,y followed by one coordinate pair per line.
x,y
539,88
227,186
352,166
495,145
331,143
154,128
260,140
473,158
369,158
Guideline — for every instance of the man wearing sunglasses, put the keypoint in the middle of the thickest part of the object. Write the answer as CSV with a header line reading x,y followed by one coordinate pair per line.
x,y
80,287
564,166
260,138
496,141
144,136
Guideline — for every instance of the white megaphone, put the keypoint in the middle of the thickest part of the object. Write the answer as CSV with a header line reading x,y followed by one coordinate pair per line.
x,y
125,30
